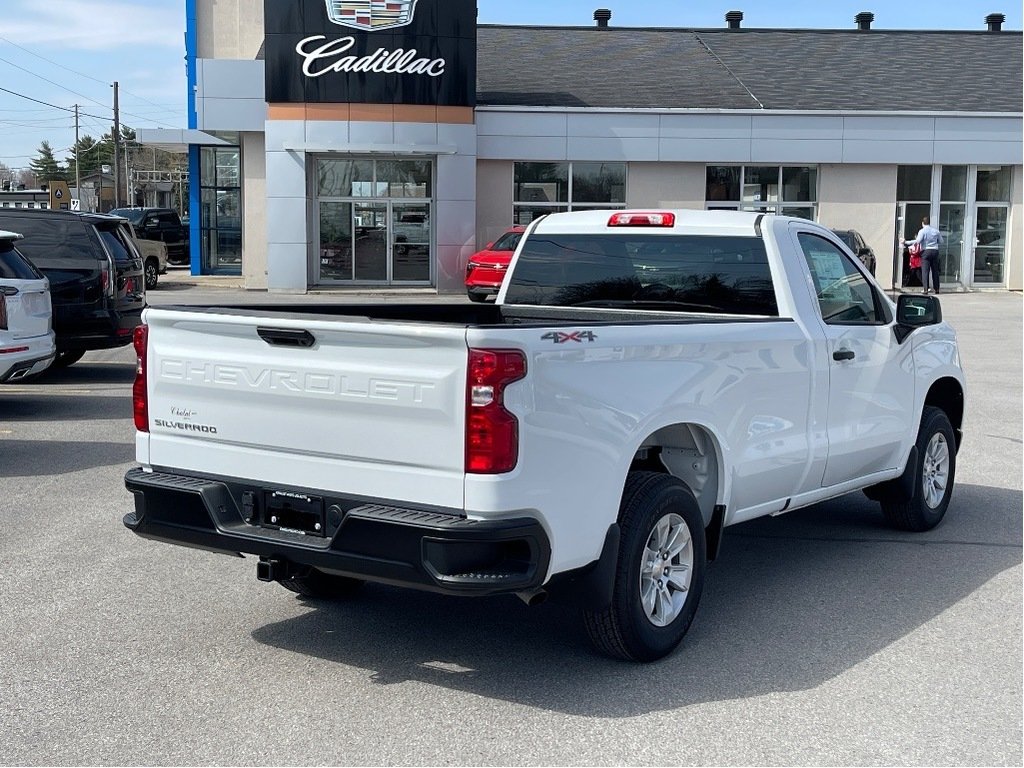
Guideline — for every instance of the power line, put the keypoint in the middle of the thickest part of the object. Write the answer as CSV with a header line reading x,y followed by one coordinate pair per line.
x,y
81,74
51,82
48,104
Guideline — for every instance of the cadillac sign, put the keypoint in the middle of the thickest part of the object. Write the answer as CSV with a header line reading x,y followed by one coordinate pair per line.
x,y
371,51
371,15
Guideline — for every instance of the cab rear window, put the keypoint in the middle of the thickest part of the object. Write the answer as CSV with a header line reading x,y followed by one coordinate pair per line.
x,y
684,273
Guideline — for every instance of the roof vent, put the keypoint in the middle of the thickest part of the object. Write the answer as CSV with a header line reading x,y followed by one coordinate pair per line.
x,y
864,19
602,16
995,22
733,18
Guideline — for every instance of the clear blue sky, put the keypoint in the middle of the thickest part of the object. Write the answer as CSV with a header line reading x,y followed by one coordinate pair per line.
x,y
71,50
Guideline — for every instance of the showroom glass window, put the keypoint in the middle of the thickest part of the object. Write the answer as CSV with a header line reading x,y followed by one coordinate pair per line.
x,y
542,188
221,203
790,190
992,208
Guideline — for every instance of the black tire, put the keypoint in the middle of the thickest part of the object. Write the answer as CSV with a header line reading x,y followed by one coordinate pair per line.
x,y
67,358
152,273
478,297
625,629
935,466
314,583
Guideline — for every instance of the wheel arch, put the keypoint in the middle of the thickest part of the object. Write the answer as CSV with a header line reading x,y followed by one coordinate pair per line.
x,y
947,394
691,452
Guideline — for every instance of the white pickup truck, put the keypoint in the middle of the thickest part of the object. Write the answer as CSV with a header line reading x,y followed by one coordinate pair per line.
x,y
644,380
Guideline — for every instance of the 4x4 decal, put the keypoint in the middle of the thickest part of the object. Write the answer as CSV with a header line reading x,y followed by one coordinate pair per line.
x,y
558,337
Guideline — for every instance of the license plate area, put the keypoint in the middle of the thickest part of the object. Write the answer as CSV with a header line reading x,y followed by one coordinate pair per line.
x,y
294,513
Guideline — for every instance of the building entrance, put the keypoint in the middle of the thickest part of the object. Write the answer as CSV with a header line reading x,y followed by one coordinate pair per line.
x,y
375,222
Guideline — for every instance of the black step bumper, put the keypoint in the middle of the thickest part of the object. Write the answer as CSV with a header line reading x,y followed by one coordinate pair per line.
x,y
436,550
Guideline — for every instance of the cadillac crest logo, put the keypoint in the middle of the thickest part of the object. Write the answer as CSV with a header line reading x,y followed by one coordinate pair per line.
x,y
371,15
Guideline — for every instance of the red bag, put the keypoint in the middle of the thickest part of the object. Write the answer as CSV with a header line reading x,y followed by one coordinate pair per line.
x,y
915,255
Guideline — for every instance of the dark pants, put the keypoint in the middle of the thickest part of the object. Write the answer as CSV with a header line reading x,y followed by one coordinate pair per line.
x,y
930,263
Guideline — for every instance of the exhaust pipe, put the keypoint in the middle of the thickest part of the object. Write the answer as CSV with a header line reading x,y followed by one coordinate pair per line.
x,y
533,597
271,570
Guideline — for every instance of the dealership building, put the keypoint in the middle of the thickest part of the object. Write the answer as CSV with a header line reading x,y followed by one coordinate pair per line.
x,y
379,143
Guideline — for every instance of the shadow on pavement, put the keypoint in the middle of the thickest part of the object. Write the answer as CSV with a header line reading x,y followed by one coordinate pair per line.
x,y
83,373
791,603
34,458
48,407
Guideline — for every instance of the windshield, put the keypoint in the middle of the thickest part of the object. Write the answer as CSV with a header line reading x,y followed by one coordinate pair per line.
x,y
507,242
685,273
134,215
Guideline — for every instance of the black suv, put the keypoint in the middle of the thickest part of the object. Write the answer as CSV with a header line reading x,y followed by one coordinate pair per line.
x,y
97,284
855,242
161,224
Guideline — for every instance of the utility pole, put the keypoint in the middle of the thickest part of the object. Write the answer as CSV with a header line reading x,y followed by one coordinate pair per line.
x,y
117,158
78,164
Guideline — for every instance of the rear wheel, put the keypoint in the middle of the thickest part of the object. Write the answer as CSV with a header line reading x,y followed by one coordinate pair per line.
x,y
152,273
660,575
478,297
314,583
933,476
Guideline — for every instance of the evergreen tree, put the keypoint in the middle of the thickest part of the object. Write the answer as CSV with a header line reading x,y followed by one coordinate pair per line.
x,y
45,165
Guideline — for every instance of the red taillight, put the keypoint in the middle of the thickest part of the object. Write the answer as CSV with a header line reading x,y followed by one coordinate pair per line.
x,y
3,312
492,433
633,219
140,399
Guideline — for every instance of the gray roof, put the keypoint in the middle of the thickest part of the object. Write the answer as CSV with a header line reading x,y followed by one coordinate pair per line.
x,y
775,69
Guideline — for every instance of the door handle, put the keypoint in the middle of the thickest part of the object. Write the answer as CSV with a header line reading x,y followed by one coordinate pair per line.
x,y
843,354
286,337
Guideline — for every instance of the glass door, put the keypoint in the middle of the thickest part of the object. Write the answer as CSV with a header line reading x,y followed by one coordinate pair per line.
x,y
370,257
375,221
990,245
907,226
410,232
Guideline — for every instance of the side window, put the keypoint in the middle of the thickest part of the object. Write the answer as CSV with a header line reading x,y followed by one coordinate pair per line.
x,y
167,220
844,296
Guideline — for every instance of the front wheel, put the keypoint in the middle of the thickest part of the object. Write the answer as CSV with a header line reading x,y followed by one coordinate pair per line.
x,y
660,574
933,476
478,297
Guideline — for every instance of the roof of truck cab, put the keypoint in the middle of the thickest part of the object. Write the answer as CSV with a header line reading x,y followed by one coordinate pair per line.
x,y
688,222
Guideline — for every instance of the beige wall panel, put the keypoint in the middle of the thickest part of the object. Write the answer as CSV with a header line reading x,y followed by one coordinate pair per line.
x,y
862,197
1015,231
230,29
494,180
665,185
254,201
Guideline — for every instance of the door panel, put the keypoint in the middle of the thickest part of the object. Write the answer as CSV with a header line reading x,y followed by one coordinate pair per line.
x,y
871,375
371,245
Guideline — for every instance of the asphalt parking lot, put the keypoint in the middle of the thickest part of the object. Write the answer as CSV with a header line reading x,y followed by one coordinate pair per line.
x,y
823,637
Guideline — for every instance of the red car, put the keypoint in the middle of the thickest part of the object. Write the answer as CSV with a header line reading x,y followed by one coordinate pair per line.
x,y
486,269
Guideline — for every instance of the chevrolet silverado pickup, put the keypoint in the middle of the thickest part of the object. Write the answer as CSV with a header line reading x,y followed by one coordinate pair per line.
x,y
644,380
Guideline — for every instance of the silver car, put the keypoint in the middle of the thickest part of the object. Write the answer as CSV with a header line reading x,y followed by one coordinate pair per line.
x,y
26,316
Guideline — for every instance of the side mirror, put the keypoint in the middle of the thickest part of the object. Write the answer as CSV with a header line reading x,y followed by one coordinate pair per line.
x,y
151,224
915,312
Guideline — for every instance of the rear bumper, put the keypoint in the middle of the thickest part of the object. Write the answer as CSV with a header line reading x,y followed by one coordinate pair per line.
x,y
98,329
435,550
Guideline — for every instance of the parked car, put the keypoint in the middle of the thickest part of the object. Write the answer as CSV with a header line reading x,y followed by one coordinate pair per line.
x,y
26,337
154,259
97,284
161,224
486,269
856,243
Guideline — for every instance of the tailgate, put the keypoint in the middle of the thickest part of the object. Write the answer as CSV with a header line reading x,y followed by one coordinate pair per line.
x,y
28,308
370,409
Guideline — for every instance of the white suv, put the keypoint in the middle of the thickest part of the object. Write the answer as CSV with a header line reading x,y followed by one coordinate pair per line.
x,y
26,315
